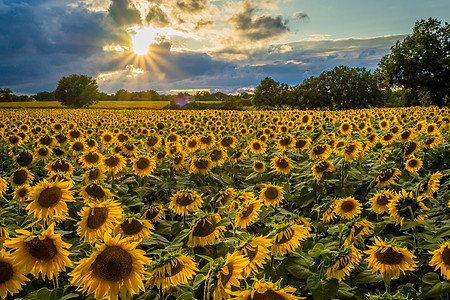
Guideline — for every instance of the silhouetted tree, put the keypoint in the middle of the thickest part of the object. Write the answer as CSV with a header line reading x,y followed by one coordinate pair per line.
x,y
77,91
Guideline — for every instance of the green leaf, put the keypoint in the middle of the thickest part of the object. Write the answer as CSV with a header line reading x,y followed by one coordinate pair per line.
x,y
440,289
197,280
317,250
367,277
186,296
207,258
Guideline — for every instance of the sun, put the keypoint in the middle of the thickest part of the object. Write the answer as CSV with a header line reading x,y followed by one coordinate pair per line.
x,y
142,40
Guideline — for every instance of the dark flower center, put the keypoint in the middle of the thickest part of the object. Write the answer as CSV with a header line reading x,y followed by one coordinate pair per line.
x,y
113,264
78,146
389,257
383,200
371,138
388,137
386,175
94,174
6,271
107,138
97,217
61,138
61,166
247,211
256,146
58,152
282,163
173,269
350,149
131,227
286,141
299,144
318,150
49,196
251,254
286,237
91,158
204,227
259,165
201,164
206,140
24,159
95,191
192,144
271,193
152,141
410,148
14,139
122,138
112,161
43,151
345,127
405,134
322,166
413,163
226,141
75,134
185,200
267,295
142,163
347,206
46,140
22,192
445,256
152,213
225,278
161,154
42,249
20,177
216,155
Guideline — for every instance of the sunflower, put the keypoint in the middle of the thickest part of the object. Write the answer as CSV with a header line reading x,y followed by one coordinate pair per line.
x,y
384,124
13,140
94,174
372,138
91,158
380,201
285,142
205,231
406,135
217,157
347,208
282,164
431,129
153,213
229,274
134,228
93,192
351,150
346,128
389,259
172,270
192,144
11,276
406,206
302,144
272,195
178,161
225,196
329,212
322,151
161,155
259,166
3,186
115,267
263,290
143,165
410,148
24,159
413,164
75,134
430,184
322,167
44,254
343,263
114,163
256,249
43,153
77,146
59,167
355,230
206,141
227,142
287,238
152,142
248,212
441,260
431,141
257,147
21,193
98,219
237,155
4,234
49,199
21,177
387,177
201,165
184,201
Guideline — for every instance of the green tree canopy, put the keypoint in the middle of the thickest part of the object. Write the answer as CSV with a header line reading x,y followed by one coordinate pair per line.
x,y
77,91
270,93
340,88
420,64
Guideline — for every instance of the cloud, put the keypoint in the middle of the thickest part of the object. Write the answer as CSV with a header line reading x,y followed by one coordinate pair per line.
x,y
203,23
157,16
191,6
301,15
124,12
258,28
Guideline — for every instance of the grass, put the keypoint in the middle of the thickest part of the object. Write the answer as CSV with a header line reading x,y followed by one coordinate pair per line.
x,y
100,104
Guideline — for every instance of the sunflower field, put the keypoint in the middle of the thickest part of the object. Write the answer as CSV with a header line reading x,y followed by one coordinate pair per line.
x,y
282,205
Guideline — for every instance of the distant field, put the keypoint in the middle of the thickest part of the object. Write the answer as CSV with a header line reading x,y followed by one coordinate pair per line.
x,y
101,104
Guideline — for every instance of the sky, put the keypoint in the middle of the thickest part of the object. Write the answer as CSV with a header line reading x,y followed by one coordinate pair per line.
x,y
190,45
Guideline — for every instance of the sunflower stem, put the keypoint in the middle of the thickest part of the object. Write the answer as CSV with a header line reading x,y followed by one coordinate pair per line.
x,y
387,284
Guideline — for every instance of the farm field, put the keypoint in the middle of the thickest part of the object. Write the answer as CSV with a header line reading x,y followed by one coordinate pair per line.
x,y
143,204
100,104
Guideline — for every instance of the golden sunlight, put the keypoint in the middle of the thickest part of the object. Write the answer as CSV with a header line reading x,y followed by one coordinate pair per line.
x,y
142,40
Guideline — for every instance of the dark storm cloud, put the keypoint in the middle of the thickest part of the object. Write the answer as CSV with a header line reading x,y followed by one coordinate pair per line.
x,y
191,5
301,15
43,41
258,28
203,23
124,13
157,16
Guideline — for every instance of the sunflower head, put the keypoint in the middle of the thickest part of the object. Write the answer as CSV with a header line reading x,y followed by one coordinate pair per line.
x,y
184,201
94,192
262,290
134,228
380,201
205,231
405,206
287,237
322,167
282,164
201,165
11,276
413,164
154,212
387,177
441,260
271,195
343,262
347,208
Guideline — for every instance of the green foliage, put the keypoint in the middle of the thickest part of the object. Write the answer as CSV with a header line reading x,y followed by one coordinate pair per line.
x,y
340,88
77,91
420,65
270,93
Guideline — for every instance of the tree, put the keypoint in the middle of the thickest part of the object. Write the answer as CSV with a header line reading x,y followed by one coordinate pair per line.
x,y
270,93
44,96
420,65
6,95
77,91
340,88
